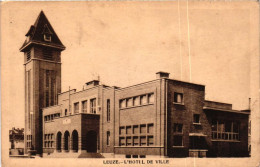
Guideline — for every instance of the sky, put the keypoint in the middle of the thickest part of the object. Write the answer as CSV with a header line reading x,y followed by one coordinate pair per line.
x,y
126,43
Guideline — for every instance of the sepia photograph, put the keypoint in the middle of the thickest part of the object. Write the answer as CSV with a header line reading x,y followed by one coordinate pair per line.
x,y
129,83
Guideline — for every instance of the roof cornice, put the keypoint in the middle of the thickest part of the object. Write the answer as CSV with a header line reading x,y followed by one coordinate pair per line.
x,y
43,44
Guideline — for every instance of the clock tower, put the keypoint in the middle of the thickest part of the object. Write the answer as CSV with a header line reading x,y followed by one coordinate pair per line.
x,y
42,70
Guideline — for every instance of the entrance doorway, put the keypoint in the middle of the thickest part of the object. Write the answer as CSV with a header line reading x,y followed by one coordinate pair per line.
x,y
66,140
91,141
58,142
75,139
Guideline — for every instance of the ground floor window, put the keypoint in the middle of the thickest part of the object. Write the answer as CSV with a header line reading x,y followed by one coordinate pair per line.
x,y
225,130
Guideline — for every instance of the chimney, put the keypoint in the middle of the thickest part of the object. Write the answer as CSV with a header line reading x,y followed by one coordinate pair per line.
x,y
92,83
161,74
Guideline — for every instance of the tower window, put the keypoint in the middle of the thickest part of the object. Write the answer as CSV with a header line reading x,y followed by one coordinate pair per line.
x,y
28,55
47,54
47,37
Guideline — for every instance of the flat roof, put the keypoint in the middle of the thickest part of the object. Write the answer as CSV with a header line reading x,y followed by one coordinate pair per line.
x,y
225,110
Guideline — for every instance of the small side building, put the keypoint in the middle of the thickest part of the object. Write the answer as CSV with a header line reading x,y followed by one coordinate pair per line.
x,y
16,139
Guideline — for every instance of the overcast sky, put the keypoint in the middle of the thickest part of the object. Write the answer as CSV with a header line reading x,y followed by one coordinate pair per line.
x,y
127,43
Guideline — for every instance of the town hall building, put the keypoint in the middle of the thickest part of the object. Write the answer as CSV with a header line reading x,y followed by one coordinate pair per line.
x,y
163,117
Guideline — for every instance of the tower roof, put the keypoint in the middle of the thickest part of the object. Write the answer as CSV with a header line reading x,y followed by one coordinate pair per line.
x,y
42,33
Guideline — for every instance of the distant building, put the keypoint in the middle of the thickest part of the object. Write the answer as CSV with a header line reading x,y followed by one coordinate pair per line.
x,y
163,117
16,139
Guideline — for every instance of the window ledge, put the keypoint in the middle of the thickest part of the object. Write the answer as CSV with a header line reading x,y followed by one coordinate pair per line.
x,y
177,146
182,104
196,123
138,146
221,140
136,106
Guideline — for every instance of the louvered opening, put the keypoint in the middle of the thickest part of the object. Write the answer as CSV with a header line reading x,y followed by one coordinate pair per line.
x,y
47,54
28,55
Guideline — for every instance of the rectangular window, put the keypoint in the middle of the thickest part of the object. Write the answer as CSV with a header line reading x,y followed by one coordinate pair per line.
x,y
143,99
122,103
135,129
128,141
122,130
128,130
150,128
151,98
84,106
108,138
52,91
196,118
108,110
177,140
93,106
178,98
150,140
76,108
177,128
225,130
122,141
29,98
135,141
129,102
142,128
136,101
143,140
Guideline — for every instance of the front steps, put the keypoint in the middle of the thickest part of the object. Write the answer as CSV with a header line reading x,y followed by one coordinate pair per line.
x,y
80,154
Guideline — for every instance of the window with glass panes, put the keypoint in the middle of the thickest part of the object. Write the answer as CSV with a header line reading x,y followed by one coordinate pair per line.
x,y
84,106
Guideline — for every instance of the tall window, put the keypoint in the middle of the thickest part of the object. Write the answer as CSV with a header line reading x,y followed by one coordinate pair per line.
x,y
49,88
129,102
108,138
136,101
84,106
178,98
122,103
66,112
150,98
76,108
108,110
196,118
143,99
29,98
178,134
93,106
